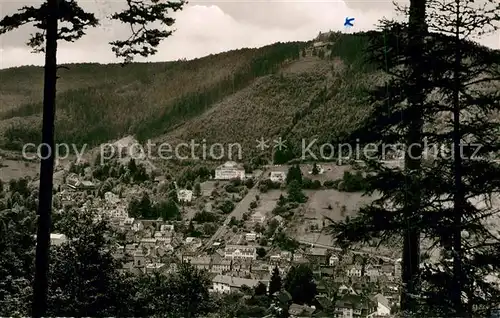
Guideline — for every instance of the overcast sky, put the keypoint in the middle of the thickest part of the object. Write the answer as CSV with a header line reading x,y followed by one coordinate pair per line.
x,y
206,26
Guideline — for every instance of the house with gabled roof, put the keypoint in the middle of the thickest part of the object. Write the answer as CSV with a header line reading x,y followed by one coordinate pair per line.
x,y
355,306
221,266
317,254
257,217
302,311
383,306
240,252
354,270
226,284
201,262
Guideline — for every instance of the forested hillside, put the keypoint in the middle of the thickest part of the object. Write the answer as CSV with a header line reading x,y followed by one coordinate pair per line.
x,y
237,96
309,98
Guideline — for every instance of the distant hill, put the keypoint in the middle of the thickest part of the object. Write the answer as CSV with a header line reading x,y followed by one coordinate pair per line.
x,y
293,90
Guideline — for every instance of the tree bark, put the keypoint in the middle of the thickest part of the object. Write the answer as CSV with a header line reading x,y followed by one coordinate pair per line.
x,y
411,242
458,199
39,306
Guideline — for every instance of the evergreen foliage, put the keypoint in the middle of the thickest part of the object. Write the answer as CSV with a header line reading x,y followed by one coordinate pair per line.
x,y
299,282
295,193
197,189
315,169
437,200
89,106
294,173
145,209
352,182
275,283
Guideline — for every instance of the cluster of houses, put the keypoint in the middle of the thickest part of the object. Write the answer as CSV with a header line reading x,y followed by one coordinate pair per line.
x,y
158,248
110,206
346,303
234,266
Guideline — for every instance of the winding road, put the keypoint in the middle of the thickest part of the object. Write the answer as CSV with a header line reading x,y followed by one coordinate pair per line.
x,y
238,211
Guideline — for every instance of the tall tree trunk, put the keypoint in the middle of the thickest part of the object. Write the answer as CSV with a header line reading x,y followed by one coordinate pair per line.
x,y
39,307
411,245
458,198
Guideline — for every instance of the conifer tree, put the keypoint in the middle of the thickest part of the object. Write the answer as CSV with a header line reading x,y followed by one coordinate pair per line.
x,y
294,193
294,173
197,189
315,169
141,17
396,118
465,75
459,109
299,282
275,283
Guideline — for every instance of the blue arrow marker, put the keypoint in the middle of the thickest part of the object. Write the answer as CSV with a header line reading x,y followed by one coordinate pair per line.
x,y
348,22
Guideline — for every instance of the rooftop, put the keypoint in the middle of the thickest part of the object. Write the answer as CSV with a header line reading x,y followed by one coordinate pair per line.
x,y
382,300
202,260
235,281
230,165
239,247
318,251
354,302
278,173
223,262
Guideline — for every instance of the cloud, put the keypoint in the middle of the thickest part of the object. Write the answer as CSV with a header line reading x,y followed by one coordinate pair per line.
x,y
206,27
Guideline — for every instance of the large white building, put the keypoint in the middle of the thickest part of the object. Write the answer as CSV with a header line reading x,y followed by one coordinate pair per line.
x,y
230,170
278,176
240,252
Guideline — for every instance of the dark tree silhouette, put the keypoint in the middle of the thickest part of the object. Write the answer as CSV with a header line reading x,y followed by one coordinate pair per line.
x,y
457,109
315,169
464,74
294,173
260,289
143,41
294,192
417,30
275,283
299,282
397,117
